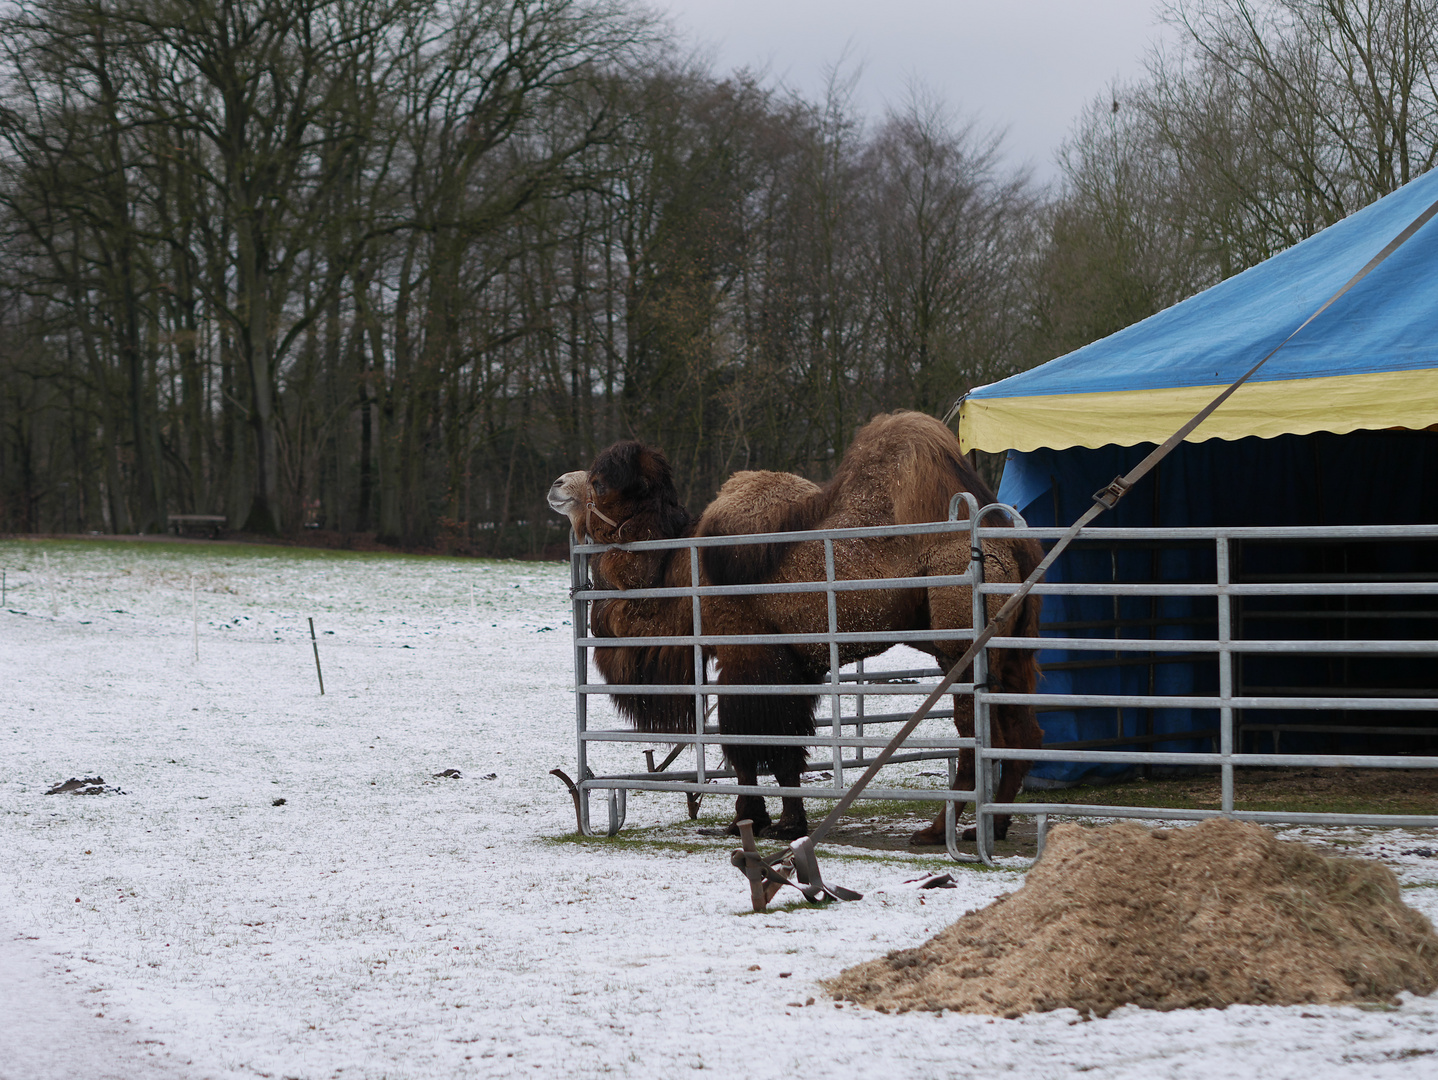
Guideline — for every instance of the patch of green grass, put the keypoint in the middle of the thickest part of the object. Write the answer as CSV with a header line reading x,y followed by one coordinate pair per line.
x,y
1118,795
699,845
629,843
915,862
1204,794
1329,805
869,808
657,839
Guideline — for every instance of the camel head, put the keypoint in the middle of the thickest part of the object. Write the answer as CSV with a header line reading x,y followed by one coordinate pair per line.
x,y
567,496
627,494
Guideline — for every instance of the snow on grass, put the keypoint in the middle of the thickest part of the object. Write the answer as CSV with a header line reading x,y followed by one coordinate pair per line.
x,y
382,922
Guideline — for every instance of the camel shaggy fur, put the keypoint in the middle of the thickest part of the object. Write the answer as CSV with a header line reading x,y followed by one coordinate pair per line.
x,y
902,468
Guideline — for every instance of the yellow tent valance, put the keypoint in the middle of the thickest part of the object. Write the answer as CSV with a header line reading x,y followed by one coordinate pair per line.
x,y
1339,403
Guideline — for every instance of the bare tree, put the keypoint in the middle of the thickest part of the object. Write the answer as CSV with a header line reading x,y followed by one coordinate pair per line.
x,y
948,235
1288,115
385,265
1120,237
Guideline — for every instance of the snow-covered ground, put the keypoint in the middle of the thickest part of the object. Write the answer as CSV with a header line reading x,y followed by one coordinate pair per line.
x,y
383,922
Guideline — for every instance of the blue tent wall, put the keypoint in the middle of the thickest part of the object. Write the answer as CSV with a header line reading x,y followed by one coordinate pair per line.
x,y
1364,477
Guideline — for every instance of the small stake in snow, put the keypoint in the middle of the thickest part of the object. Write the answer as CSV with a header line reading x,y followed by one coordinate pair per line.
x,y
195,616
471,599
2,588
314,641
50,583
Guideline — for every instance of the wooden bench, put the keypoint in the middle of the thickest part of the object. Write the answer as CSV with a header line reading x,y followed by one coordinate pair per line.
x,y
211,523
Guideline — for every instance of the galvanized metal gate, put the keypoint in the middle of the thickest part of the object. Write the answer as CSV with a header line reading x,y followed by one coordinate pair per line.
x,y
1228,647
851,728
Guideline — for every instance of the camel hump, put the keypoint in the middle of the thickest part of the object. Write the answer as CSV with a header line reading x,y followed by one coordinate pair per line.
x,y
909,462
754,501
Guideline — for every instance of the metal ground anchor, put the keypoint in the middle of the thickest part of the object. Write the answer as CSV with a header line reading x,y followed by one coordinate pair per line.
x,y
806,869
767,875
765,880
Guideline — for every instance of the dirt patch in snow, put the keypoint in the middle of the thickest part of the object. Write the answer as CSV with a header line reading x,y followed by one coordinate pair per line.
x,y
1208,916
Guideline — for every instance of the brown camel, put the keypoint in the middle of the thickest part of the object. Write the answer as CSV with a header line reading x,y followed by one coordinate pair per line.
x,y
902,468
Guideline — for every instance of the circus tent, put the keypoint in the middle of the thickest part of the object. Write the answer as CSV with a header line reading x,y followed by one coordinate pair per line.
x,y
1340,427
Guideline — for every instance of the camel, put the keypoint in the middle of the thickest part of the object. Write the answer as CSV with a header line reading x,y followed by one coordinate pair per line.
x,y
902,468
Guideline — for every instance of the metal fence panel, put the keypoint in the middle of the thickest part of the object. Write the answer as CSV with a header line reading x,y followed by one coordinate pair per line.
x,y
847,735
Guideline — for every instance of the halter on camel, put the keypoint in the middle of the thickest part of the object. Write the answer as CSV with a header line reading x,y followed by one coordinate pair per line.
x,y
590,508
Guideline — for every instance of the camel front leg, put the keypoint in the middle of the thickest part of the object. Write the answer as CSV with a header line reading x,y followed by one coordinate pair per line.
x,y
793,822
747,806
933,833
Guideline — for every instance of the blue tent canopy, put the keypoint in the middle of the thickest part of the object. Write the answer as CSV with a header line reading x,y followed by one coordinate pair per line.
x,y
1369,361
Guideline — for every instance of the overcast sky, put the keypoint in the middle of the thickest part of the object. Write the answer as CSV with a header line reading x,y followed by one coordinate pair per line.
x,y
1026,65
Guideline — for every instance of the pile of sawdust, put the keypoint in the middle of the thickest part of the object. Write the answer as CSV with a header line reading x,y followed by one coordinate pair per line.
x,y
1208,916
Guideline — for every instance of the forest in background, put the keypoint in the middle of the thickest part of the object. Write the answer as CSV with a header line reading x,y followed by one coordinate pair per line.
x,y
387,267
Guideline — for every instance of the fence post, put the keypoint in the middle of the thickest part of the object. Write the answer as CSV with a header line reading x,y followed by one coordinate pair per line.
x,y
983,793
1225,672
700,701
836,710
579,579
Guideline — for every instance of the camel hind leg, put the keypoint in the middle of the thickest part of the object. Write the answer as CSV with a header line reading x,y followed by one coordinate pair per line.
x,y
933,833
1009,726
765,714
1012,726
951,607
